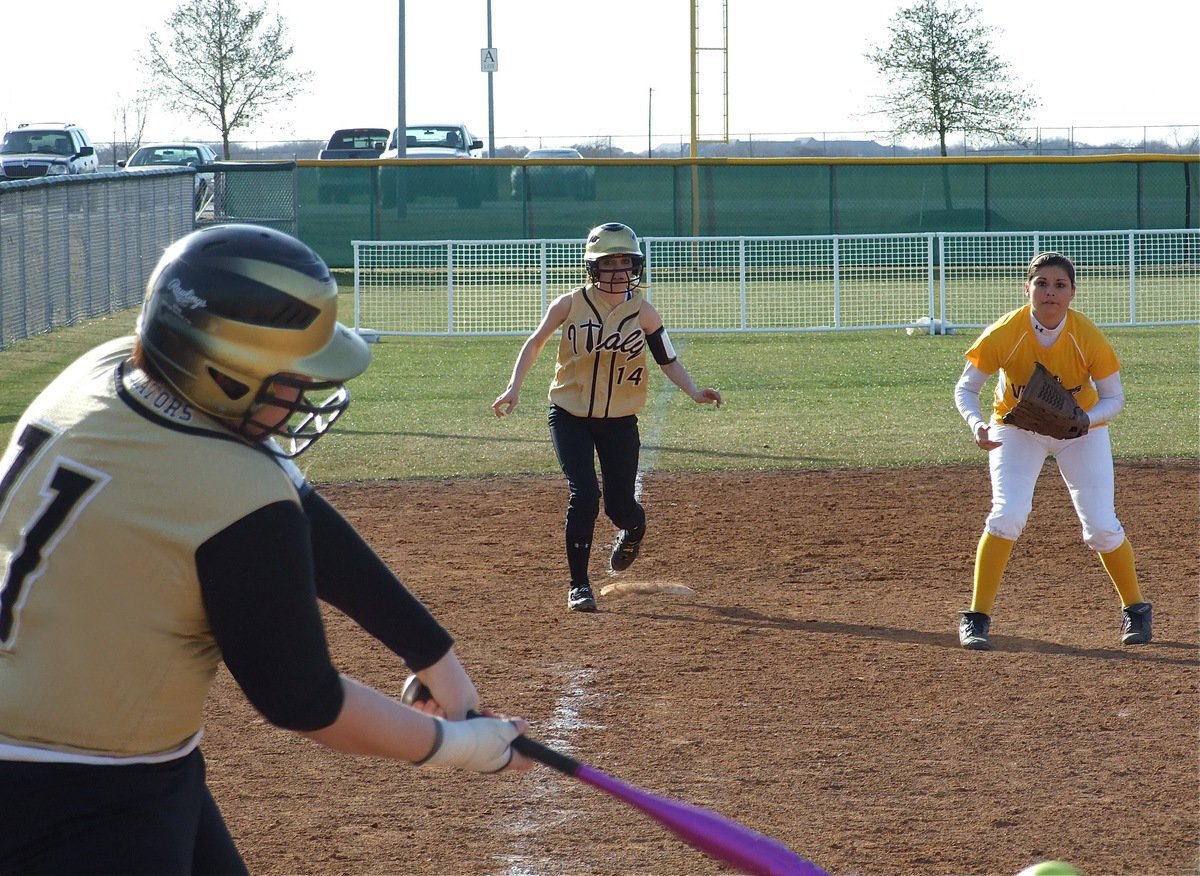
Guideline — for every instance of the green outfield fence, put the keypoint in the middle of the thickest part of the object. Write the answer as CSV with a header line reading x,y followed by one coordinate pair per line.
x,y
81,246
347,200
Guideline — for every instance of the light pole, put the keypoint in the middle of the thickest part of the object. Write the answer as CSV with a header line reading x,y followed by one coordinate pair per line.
x,y
491,110
650,125
401,122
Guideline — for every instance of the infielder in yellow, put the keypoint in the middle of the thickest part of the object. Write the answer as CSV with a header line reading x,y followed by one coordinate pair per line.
x,y
600,382
1073,349
153,525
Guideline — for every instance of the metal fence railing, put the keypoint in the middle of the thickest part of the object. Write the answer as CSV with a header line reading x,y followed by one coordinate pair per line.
x,y
83,246
80,247
936,282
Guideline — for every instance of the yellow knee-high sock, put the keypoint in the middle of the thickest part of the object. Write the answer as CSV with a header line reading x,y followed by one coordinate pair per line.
x,y
1120,567
991,559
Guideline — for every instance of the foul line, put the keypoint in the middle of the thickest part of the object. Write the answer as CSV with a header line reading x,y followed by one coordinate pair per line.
x,y
546,812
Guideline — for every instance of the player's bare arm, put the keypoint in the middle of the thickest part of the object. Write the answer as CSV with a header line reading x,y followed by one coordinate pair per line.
x,y
556,315
664,354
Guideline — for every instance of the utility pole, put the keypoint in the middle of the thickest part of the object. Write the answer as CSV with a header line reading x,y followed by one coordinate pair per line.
x,y
491,106
650,125
401,122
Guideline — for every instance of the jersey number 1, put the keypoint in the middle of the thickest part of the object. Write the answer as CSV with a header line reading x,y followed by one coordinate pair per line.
x,y
65,488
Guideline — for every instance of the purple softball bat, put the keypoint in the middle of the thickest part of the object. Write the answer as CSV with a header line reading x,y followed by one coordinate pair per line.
x,y
737,845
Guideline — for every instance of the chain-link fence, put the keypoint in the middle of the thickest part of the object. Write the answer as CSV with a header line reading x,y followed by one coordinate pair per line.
x,y
79,247
82,246
258,192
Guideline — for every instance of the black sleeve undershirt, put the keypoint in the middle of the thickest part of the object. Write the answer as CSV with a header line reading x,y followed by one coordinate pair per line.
x,y
256,582
352,578
260,592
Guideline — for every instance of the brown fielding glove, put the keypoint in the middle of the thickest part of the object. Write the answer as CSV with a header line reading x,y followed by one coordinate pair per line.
x,y
1048,408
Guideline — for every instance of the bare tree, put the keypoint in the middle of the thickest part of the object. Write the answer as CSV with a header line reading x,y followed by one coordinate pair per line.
x,y
129,126
944,76
223,65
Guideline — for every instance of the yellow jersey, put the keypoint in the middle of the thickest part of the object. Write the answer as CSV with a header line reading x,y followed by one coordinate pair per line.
x,y
1078,357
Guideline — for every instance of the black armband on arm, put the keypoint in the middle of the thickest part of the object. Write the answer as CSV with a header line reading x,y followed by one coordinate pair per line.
x,y
660,346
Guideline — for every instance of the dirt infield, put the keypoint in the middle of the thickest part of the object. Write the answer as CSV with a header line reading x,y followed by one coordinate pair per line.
x,y
812,687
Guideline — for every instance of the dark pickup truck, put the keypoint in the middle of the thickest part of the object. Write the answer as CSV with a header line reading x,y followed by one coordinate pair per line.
x,y
335,184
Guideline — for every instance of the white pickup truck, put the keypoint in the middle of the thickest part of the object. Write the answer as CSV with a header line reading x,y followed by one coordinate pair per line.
x,y
441,141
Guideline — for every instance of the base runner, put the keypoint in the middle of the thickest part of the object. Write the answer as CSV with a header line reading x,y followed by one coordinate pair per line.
x,y
599,387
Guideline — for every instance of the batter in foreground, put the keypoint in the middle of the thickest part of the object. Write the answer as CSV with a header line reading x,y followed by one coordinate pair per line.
x,y
152,525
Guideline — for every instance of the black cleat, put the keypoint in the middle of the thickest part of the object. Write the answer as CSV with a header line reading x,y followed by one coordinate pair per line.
x,y
581,598
1135,624
973,631
624,552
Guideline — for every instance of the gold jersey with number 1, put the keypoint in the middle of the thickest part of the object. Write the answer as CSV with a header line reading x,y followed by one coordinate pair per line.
x,y
105,646
601,366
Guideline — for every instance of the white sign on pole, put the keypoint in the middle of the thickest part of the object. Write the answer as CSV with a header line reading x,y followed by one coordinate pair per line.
x,y
489,60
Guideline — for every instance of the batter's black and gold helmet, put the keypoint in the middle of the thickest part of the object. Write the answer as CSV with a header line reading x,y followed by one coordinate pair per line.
x,y
613,238
231,308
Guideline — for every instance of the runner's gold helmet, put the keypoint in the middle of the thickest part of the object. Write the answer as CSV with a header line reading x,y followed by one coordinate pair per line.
x,y
613,238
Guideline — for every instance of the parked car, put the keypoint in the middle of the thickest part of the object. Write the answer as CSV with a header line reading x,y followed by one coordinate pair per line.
x,y
572,179
50,149
438,141
196,155
336,184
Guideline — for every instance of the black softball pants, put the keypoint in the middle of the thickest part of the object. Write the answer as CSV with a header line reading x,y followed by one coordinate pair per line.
x,y
153,819
578,443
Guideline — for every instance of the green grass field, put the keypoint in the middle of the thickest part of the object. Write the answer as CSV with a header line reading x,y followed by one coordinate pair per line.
x,y
792,400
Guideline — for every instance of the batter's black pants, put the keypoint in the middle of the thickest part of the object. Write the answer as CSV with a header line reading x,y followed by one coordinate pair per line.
x,y
578,443
160,819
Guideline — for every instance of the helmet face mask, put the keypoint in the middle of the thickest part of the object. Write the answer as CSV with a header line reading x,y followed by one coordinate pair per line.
x,y
315,417
610,239
231,308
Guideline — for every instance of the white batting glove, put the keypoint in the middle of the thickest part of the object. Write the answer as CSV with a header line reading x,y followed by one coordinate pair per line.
x,y
479,744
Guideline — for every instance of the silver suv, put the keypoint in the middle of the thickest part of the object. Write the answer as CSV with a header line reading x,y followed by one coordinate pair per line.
x,y
52,149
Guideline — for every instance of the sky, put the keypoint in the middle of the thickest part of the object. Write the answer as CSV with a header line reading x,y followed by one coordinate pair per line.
x,y
573,71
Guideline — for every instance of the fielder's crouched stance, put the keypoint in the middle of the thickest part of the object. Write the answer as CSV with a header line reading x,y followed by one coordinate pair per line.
x,y
1074,350
151,525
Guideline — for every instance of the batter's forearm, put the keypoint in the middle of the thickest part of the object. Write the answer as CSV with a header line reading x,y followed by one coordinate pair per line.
x,y
373,724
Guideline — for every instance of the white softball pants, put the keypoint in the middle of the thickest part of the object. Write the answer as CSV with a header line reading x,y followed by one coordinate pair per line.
x,y
1086,467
